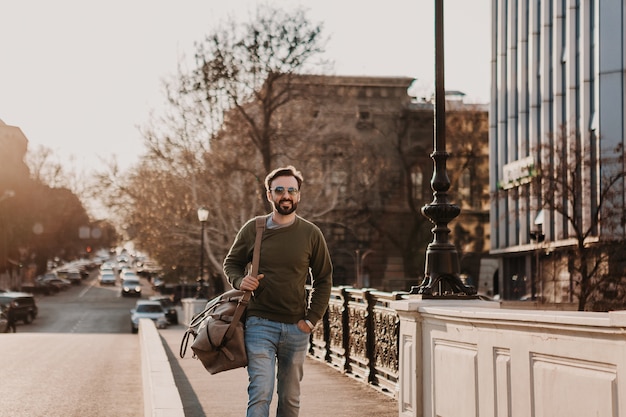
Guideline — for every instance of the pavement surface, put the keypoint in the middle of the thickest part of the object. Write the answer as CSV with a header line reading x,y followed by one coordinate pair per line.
x,y
70,375
91,375
325,390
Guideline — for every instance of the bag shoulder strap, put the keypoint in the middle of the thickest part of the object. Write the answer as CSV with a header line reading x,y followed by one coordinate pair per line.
x,y
256,254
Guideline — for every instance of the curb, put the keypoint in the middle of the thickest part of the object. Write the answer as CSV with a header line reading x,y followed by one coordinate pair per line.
x,y
160,394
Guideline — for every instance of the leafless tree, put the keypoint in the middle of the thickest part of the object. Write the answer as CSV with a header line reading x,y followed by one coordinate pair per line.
x,y
585,191
217,140
244,70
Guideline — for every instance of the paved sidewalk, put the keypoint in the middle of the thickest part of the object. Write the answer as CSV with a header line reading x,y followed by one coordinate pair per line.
x,y
325,391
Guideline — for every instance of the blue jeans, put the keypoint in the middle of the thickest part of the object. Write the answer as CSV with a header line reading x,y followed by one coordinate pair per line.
x,y
266,342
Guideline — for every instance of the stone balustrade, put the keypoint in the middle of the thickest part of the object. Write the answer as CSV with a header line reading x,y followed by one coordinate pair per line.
x,y
473,358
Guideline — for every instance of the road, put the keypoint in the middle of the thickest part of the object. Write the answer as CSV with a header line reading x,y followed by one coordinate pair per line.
x,y
78,358
85,308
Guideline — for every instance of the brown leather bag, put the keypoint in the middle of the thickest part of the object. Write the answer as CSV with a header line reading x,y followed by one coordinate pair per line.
x,y
218,330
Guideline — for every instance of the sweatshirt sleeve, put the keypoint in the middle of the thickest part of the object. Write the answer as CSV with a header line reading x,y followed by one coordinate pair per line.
x,y
322,279
239,255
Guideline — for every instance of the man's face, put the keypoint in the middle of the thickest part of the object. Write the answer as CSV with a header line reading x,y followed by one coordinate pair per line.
x,y
284,202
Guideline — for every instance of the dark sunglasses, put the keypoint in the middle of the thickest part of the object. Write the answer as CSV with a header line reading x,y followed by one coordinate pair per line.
x,y
282,190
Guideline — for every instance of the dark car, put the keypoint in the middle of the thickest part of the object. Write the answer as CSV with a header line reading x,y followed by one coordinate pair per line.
x,y
51,278
4,321
168,307
39,287
19,306
74,276
180,291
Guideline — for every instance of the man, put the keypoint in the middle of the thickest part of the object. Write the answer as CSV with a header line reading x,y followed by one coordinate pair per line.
x,y
279,317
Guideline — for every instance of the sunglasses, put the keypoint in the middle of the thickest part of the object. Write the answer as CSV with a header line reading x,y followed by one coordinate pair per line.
x,y
283,190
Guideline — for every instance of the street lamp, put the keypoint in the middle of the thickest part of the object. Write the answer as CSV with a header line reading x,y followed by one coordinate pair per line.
x,y
442,260
203,215
537,236
360,258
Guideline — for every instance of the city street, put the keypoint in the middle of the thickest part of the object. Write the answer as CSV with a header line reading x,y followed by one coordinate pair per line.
x,y
78,358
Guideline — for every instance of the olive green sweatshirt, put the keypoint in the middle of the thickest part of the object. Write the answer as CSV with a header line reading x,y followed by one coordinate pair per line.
x,y
287,255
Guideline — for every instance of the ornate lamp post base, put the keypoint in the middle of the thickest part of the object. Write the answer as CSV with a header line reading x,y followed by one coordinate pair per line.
x,y
444,286
442,261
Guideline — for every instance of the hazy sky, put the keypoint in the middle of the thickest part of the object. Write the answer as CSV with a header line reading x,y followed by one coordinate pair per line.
x,y
81,76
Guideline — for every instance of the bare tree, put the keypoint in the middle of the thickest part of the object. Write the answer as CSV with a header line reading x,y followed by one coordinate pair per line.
x,y
215,143
585,193
244,71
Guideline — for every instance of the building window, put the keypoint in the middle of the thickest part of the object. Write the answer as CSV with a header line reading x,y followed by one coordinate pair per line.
x,y
417,183
339,180
364,118
465,187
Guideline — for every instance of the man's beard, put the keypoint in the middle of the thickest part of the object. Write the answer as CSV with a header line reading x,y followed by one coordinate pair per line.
x,y
284,210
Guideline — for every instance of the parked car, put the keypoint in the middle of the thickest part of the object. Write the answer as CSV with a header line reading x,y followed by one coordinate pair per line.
x,y
157,283
4,320
69,273
131,287
168,307
74,276
19,306
180,291
146,309
39,287
51,278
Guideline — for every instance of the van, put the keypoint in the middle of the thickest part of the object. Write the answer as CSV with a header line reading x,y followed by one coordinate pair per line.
x,y
19,306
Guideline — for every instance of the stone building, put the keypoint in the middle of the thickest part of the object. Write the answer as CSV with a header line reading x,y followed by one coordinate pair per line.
x,y
14,182
370,143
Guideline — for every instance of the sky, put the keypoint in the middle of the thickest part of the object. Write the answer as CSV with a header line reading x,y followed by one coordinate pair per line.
x,y
81,77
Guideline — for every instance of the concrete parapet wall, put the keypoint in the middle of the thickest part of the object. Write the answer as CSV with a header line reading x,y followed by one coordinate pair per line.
x,y
160,394
473,358
191,307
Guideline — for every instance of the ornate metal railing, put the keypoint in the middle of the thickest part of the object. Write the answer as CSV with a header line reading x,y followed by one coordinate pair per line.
x,y
359,336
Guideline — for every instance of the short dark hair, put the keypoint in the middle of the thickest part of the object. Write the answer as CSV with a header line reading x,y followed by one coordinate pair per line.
x,y
288,171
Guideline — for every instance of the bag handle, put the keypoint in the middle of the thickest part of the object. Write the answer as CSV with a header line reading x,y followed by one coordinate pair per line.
x,y
256,254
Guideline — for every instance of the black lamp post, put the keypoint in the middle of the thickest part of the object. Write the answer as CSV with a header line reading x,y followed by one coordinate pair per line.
x,y
442,261
203,215
537,236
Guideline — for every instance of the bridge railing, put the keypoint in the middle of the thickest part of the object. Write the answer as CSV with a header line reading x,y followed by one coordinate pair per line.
x,y
359,336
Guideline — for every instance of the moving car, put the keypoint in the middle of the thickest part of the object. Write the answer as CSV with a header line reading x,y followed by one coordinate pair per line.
x,y
168,308
131,288
147,309
106,277
19,306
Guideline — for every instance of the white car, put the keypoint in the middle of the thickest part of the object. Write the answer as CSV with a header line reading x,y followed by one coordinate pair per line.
x,y
147,310
106,277
128,274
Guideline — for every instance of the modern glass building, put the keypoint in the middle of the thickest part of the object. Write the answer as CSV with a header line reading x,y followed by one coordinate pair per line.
x,y
556,139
